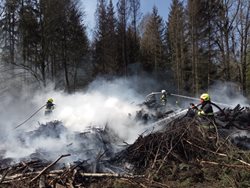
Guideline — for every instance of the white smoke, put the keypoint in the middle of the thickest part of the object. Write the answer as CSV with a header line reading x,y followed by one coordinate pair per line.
x,y
103,103
112,103
224,94
228,93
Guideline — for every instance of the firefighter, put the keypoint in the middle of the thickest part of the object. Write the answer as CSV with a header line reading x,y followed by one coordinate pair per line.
x,y
205,112
164,97
206,109
49,106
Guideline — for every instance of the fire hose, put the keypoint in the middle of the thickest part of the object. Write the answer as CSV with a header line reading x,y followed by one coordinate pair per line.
x,y
30,117
192,98
156,126
187,97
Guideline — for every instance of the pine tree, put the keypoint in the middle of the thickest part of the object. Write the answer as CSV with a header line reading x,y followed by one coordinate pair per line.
x,y
51,40
9,30
152,48
202,16
132,32
112,42
122,24
100,40
177,45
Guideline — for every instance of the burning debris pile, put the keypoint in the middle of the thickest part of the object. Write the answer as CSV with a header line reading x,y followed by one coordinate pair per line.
x,y
238,117
183,153
189,153
38,173
86,158
234,124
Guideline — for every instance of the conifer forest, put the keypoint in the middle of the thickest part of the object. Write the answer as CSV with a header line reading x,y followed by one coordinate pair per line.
x,y
202,41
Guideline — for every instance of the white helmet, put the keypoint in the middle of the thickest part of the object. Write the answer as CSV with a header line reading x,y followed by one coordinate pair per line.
x,y
163,91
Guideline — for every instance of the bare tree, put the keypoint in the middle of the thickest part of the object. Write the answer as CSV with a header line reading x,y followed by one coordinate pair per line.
x,y
243,29
226,20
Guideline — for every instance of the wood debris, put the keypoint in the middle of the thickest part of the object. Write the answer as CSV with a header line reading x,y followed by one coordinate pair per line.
x,y
186,148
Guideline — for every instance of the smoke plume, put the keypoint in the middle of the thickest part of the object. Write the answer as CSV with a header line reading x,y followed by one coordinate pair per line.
x,y
104,103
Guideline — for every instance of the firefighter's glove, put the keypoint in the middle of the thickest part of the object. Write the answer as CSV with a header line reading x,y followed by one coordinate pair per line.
x,y
193,106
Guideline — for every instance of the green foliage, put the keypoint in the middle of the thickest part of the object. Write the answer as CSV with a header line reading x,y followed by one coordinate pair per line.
x,y
177,45
105,44
152,48
202,41
48,38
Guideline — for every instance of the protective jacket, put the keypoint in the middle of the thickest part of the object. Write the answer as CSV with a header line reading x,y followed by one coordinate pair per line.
x,y
49,106
206,109
164,98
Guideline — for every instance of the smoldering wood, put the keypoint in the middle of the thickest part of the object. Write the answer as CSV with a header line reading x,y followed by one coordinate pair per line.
x,y
180,141
42,181
4,175
110,175
45,169
31,174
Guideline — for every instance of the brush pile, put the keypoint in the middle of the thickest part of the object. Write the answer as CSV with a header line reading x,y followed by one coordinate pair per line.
x,y
192,152
238,117
186,152
42,174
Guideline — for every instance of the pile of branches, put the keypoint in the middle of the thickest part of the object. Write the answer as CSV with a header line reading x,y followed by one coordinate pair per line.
x,y
39,174
187,149
92,166
182,141
238,117
184,146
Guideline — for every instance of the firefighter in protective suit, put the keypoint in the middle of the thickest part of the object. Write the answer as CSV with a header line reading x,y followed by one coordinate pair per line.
x,y
206,109
164,97
205,112
50,106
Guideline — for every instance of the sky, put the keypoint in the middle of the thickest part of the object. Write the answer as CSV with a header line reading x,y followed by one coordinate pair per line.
x,y
89,7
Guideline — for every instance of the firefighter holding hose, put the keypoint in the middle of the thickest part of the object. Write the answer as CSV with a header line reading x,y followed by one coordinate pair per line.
x,y
163,98
206,109
50,106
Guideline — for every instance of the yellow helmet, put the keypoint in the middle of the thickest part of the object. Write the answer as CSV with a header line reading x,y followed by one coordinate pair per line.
x,y
205,97
50,100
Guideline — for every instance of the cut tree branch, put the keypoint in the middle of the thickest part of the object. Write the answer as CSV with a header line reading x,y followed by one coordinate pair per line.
x,y
49,166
